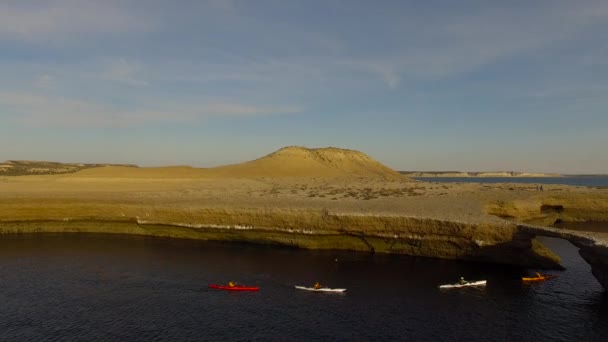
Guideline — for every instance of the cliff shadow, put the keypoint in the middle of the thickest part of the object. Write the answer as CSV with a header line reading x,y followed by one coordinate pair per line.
x,y
523,250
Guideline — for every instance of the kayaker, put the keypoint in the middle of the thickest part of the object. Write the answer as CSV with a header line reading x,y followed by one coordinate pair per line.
x,y
230,284
317,285
538,275
462,281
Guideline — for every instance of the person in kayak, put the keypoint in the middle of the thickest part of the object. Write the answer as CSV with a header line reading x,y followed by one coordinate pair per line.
x,y
462,281
539,275
317,286
231,284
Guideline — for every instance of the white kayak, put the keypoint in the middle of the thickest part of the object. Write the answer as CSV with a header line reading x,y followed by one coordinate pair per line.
x,y
323,289
470,283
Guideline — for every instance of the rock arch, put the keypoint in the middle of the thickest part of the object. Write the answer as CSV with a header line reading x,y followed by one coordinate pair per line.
x,y
593,247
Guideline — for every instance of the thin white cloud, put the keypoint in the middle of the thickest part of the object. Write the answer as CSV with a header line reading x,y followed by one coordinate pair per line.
x,y
124,72
226,109
223,5
35,109
45,81
57,19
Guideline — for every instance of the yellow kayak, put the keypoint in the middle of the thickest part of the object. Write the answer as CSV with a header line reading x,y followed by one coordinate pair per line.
x,y
539,277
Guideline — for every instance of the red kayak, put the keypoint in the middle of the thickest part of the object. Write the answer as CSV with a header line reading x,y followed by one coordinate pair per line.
x,y
234,288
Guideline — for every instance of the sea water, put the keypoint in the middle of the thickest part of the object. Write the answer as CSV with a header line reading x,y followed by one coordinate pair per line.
x,y
96,287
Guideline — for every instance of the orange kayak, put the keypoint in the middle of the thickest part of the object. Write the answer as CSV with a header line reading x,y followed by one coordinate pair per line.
x,y
537,278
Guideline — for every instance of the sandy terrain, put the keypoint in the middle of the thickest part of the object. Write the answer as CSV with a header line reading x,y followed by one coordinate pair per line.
x,y
341,181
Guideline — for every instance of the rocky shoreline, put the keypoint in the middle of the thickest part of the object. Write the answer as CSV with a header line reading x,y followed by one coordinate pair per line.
x,y
321,230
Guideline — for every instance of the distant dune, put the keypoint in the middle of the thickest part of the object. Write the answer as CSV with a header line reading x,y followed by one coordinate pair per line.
x,y
291,161
142,172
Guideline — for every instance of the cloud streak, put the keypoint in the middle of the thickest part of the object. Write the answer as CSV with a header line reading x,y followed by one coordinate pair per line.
x,y
123,72
454,44
40,110
58,19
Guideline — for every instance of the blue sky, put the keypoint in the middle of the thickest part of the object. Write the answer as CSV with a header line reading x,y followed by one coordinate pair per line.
x,y
418,85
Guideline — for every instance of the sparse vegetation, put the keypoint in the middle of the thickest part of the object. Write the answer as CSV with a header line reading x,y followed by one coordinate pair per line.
x,y
25,167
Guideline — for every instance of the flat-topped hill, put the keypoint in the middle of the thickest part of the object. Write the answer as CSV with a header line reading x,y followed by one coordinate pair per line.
x,y
296,161
291,161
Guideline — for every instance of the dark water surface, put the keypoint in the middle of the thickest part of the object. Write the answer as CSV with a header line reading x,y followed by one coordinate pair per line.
x,y
593,181
125,288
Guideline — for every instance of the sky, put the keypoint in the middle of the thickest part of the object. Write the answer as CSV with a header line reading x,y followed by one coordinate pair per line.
x,y
417,85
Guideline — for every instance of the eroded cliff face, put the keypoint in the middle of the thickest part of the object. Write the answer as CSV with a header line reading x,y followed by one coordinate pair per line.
x,y
321,230
597,257
547,210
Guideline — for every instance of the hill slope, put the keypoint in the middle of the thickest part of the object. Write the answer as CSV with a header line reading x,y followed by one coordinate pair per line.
x,y
172,172
295,161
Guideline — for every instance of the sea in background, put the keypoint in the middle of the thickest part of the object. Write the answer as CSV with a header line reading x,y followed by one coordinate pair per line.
x,y
592,181
102,287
